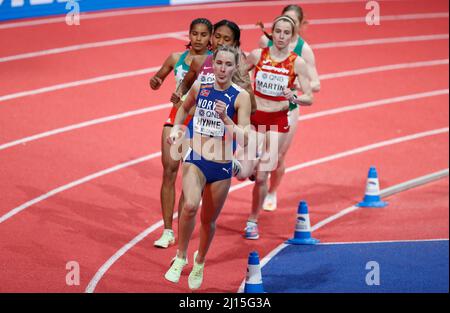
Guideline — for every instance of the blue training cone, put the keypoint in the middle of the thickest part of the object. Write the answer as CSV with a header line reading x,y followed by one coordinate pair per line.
x,y
302,235
372,198
253,280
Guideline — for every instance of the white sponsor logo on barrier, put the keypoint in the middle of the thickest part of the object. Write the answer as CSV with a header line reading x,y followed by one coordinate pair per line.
x,y
373,187
21,3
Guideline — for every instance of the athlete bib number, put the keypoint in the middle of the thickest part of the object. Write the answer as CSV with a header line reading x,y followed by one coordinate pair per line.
x,y
208,122
271,84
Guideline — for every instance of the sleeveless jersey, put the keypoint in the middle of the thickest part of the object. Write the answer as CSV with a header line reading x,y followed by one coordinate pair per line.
x,y
298,48
272,77
181,68
206,75
206,121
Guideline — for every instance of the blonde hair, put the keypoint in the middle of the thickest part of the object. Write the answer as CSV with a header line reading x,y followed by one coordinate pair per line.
x,y
231,49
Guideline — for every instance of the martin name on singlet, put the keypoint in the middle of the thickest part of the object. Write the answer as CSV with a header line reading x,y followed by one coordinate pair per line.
x,y
265,85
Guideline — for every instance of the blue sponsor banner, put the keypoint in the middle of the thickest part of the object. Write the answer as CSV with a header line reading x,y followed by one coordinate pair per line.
x,y
16,9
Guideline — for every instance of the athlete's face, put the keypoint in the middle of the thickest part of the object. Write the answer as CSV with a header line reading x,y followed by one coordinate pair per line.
x,y
224,66
294,16
223,36
282,34
199,37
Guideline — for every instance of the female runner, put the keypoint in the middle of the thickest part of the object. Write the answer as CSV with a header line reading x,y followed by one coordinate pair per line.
x,y
276,69
207,166
199,34
300,47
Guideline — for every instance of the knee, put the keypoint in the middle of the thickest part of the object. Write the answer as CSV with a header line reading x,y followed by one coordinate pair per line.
x,y
170,173
261,178
189,209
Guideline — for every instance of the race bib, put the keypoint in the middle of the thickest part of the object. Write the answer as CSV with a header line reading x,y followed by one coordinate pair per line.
x,y
271,84
208,122
206,78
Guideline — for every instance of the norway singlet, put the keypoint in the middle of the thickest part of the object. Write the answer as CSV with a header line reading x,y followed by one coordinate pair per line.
x,y
206,120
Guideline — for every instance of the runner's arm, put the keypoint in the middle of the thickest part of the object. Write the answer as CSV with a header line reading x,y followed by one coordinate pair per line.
x,y
303,79
242,79
308,56
240,131
188,79
167,67
177,130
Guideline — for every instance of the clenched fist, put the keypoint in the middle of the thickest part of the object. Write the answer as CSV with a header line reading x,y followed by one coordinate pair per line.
x,y
221,109
155,82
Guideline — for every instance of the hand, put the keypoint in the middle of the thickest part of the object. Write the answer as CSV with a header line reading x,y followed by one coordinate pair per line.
x,y
175,98
155,82
221,109
289,94
175,134
304,100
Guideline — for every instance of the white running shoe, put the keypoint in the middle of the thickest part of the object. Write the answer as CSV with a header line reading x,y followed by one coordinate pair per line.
x,y
251,231
270,202
174,272
196,276
237,167
167,239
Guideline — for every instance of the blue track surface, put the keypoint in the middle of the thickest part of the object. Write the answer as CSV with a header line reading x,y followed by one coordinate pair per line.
x,y
404,267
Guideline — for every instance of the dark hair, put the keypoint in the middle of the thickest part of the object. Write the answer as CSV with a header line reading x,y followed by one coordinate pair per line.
x,y
284,18
233,50
234,28
203,21
292,7
197,21
297,9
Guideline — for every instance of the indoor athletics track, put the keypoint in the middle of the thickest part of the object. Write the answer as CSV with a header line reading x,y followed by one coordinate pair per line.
x,y
80,164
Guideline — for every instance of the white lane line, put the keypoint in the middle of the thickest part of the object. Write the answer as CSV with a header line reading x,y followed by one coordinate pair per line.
x,y
419,181
356,43
107,265
78,83
83,46
117,13
182,35
78,182
85,124
381,241
383,68
158,154
303,117
154,69
385,18
375,103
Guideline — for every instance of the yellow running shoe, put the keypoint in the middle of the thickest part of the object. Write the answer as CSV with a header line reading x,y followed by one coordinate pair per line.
x,y
196,276
167,239
270,202
174,272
